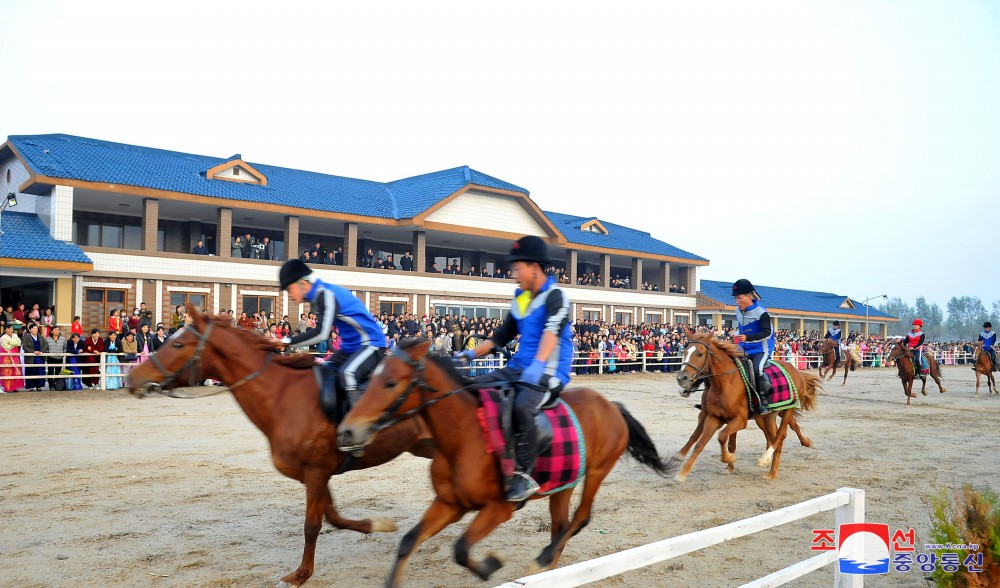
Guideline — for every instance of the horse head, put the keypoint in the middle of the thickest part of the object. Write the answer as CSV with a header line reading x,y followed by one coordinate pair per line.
x,y
177,362
696,364
389,397
900,348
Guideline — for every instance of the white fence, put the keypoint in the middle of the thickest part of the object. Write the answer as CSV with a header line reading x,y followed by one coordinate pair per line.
x,y
848,502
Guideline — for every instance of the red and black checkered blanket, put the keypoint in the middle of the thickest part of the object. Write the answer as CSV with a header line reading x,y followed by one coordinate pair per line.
x,y
784,394
561,465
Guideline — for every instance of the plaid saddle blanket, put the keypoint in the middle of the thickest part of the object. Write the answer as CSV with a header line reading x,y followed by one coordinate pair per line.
x,y
784,394
561,463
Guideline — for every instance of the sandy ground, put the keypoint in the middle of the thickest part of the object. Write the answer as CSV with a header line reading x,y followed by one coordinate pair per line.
x,y
100,489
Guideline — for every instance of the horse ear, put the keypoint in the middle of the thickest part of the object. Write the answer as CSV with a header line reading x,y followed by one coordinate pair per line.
x,y
192,312
688,331
417,352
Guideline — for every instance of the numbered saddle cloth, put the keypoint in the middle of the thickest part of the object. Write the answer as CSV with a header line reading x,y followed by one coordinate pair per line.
x,y
562,458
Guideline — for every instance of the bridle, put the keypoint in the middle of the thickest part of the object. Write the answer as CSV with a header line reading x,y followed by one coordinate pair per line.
x,y
389,417
194,362
699,373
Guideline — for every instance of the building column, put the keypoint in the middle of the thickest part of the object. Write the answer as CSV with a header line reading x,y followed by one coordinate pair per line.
x,y
224,232
636,273
823,329
717,321
150,223
690,279
64,301
605,270
663,283
802,325
291,237
572,260
884,329
350,244
419,251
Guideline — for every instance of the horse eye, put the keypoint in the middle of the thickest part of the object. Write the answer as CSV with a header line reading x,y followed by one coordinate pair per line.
x,y
390,384
178,345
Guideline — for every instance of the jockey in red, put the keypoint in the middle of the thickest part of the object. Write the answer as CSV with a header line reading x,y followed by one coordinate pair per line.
x,y
916,339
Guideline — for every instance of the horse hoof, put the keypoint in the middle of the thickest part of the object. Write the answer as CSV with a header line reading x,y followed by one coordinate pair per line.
x,y
731,468
679,478
769,476
763,463
383,525
807,443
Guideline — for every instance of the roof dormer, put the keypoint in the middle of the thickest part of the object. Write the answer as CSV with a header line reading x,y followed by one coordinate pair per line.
x,y
236,170
594,226
847,304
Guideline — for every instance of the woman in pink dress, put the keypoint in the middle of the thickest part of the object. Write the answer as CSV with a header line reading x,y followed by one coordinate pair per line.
x,y
10,361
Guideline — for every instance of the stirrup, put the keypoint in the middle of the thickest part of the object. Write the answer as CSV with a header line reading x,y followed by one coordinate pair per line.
x,y
520,487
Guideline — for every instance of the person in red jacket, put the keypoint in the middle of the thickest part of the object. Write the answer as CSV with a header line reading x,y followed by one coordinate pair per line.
x,y
915,340
93,346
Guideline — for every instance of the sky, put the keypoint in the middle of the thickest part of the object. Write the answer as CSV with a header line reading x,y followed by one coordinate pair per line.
x,y
848,147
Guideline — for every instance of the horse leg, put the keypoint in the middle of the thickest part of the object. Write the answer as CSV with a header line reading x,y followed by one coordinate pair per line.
x,y
779,442
487,519
977,383
711,425
317,498
936,374
766,424
847,366
794,424
907,386
361,526
732,427
596,473
680,455
439,515
923,385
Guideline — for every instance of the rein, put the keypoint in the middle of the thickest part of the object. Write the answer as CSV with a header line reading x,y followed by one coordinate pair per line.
x,y
711,357
389,417
195,362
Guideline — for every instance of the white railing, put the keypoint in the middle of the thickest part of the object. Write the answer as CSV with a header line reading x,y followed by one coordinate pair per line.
x,y
848,502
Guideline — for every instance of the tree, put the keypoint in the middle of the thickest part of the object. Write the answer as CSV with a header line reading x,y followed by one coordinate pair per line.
x,y
901,310
966,314
933,319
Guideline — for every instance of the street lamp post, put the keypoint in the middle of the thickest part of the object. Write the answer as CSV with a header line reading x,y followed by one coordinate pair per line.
x,y
865,302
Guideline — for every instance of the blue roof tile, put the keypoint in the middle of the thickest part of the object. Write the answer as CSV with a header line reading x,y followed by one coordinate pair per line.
x,y
803,300
618,237
79,158
26,237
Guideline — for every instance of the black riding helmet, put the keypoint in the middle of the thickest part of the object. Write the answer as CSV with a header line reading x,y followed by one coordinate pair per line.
x,y
530,248
987,325
744,287
292,271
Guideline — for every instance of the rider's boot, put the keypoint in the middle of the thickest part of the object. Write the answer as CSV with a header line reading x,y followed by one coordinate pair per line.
x,y
328,397
520,486
763,394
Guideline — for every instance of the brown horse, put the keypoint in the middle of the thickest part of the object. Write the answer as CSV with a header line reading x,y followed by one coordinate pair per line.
x,y
900,350
764,461
467,478
725,402
984,367
279,395
828,350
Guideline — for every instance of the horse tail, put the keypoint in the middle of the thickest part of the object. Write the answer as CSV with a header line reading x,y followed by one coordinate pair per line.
x,y
641,447
811,385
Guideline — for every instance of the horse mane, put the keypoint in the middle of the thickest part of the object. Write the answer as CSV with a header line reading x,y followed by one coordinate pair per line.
x,y
256,341
442,361
730,348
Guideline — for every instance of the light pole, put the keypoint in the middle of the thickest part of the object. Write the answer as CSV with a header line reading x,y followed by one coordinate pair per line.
x,y
865,302
10,200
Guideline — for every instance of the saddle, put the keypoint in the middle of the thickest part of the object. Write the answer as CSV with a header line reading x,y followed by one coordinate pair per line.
x,y
343,402
560,440
784,393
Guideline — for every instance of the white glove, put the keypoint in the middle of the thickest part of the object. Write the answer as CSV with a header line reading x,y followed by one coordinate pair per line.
x,y
286,340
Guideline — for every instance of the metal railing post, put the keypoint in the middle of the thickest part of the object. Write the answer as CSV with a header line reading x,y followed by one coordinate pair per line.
x,y
103,367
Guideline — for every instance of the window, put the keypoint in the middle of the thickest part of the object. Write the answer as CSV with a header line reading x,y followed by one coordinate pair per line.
x,y
252,304
98,303
392,308
132,237
653,317
194,299
473,311
591,315
623,318
681,319
236,171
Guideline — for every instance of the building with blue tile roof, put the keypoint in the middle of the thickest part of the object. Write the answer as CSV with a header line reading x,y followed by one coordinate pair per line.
x,y
799,311
137,214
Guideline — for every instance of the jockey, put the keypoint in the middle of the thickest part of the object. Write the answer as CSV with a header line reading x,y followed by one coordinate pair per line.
x,y
363,343
837,336
989,339
540,313
755,336
916,339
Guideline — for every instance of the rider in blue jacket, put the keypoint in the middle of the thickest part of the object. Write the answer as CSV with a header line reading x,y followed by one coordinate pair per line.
x,y
989,339
540,313
755,336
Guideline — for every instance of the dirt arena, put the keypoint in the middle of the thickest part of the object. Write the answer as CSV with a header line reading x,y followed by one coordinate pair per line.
x,y
101,489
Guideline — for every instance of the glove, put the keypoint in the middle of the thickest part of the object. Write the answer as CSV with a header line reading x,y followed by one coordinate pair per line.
x,y
286,340
533,373
463,357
